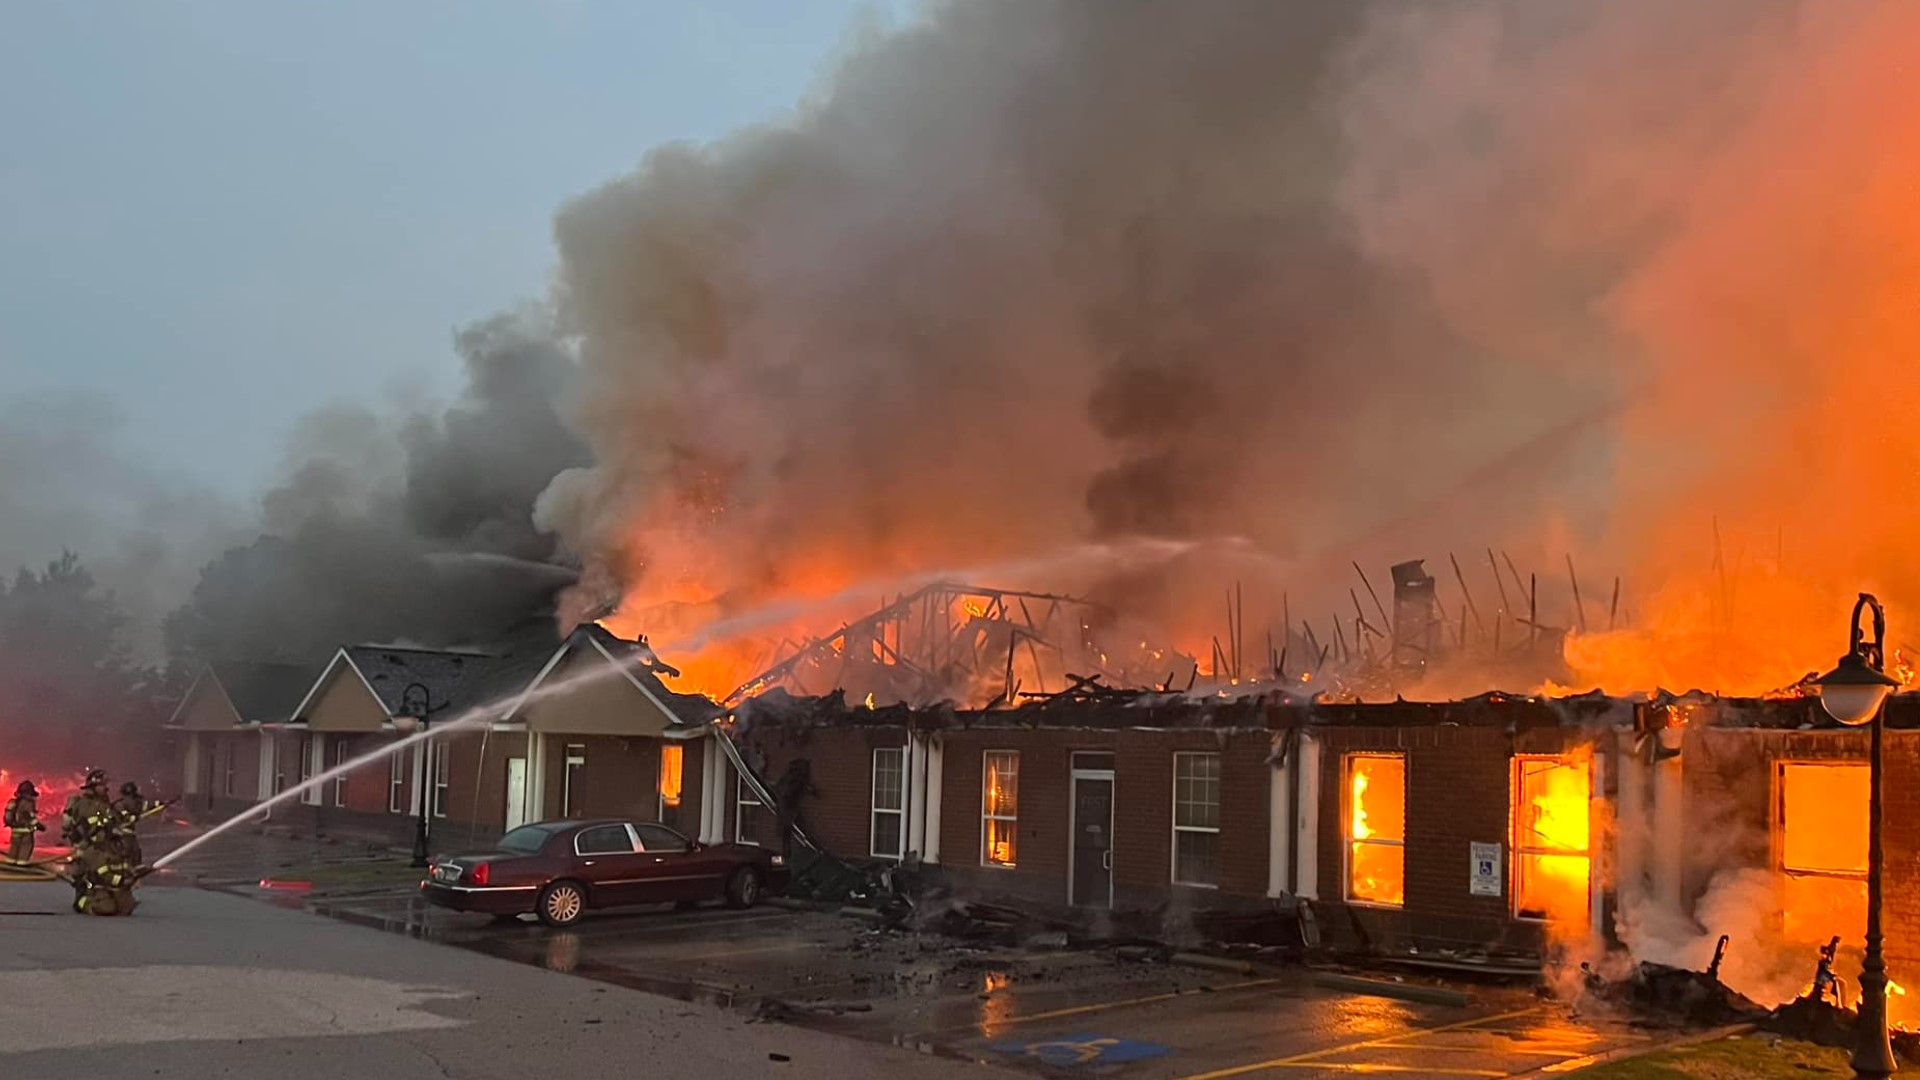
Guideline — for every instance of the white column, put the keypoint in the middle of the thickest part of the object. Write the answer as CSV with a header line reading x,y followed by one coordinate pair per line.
x,y
1307,846
936,763
713,791
1279,827
1630,831
1597,855
1669,824
914,777
419,777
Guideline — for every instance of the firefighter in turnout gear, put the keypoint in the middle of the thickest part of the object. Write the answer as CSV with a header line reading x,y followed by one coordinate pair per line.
x,y
87,824
128,811
23,821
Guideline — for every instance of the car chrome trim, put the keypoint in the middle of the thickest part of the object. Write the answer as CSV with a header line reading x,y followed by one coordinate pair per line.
x,y
481,888
676,877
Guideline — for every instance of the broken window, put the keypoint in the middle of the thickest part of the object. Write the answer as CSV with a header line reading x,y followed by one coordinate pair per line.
x,y
747,811
672,760
1376,804
1000,808
1551,859
889,802
1821,841
1196,819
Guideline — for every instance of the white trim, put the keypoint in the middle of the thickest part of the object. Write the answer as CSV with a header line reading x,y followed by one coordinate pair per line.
x,y
874,809
321,682
338,787
625,669
552,662
173,718
1173,848
1306,852
936,763
1279,829
312,745
396,770
440,761
713,806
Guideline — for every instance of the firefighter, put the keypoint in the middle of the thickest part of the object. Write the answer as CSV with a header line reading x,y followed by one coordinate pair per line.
x,y
23,821
128,811
87,824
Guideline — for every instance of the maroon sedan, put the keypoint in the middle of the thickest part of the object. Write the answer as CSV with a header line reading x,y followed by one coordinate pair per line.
x,y
559,870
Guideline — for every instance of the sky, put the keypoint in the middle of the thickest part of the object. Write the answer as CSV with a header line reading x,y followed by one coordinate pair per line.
x,y
216,215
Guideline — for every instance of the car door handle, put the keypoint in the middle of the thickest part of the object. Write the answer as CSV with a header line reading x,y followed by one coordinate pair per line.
x,y
587,862
1106,859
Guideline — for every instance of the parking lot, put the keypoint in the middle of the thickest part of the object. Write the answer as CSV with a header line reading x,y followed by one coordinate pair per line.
x,y
1052,1011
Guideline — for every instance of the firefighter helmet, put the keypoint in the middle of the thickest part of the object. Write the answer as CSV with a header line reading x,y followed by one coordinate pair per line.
x,y
26,790
130,789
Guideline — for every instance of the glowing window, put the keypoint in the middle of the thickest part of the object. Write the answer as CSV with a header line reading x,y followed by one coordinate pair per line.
x,y
1196,819
1822,846
1552,862
1000,808
1376,806
672,760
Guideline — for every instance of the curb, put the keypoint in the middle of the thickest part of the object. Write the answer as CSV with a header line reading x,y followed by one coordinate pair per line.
x,y
1608,1057
1211,963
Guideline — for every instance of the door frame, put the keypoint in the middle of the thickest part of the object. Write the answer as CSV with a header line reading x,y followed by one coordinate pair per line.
x,y
506,810
1074,776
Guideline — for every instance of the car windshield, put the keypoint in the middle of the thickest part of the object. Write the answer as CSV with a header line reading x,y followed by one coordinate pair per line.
x,y
527,839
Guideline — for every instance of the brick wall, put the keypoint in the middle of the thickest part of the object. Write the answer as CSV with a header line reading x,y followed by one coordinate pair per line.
x,y
840,761
1459,782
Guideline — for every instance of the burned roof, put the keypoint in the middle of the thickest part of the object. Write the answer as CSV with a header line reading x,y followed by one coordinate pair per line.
x,y
263,692
452,682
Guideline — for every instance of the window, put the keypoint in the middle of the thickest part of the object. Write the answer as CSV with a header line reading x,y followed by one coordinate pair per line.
x,y
1376,805
279,764
1196,819
888,837
396,782
226,767
1000,808
340,744
442,758
311,796
1551,861
747,811
572,784
672,760
1821,845
660,838
528,839
604,840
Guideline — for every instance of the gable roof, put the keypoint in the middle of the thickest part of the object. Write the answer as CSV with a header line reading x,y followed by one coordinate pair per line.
x,y
631,659
259,691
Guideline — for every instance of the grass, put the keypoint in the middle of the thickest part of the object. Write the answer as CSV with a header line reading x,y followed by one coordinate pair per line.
x,y
1738,1058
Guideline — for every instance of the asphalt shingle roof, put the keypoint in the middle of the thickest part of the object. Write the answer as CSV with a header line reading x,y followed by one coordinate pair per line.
x,y
264,692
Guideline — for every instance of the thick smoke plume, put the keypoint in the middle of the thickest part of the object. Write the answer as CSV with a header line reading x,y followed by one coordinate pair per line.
x,y
1336,278
416,528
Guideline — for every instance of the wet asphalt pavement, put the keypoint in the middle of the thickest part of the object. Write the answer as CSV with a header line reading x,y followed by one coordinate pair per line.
x,y
1049,1011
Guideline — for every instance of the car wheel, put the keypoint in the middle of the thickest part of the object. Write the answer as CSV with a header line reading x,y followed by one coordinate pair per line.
x,y
743,888
562,903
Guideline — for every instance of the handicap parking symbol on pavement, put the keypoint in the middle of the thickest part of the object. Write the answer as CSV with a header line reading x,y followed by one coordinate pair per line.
x,y
1070,1050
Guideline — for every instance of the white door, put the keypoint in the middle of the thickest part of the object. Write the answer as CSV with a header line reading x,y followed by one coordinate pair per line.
x,y
516,792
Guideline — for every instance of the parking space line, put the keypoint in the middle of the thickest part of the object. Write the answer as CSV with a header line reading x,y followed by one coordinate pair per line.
x,y
1373,1067
1314,1057
1104,1006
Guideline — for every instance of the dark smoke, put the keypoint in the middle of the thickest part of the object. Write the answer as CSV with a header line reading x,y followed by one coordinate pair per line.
x,y
417,530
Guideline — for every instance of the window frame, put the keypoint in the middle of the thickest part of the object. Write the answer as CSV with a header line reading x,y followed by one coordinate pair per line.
x,y
875,811
440,778
339,784
1516,851
1347,839
1173,851
227,756
1013,819
743,797
570,761
1777,826
397,782
311,796
279,765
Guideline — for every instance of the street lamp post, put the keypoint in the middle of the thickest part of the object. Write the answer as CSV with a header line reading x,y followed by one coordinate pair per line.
x,y
413,717
1855,693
